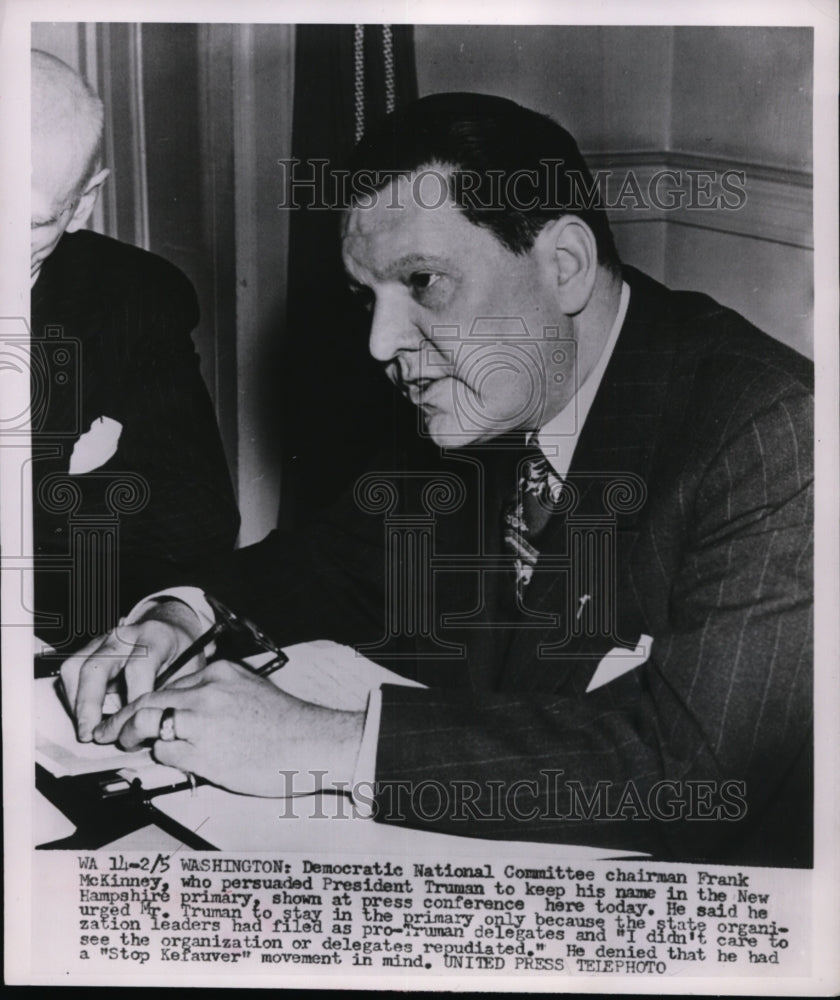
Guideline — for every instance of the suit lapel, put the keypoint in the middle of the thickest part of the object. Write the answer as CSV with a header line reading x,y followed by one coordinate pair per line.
x,y
584,547
468,584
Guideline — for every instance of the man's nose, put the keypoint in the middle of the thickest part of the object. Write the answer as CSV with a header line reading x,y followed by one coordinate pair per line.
x,y
391,329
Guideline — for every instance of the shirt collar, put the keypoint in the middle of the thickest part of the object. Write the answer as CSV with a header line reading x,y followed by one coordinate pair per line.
x,y
559,437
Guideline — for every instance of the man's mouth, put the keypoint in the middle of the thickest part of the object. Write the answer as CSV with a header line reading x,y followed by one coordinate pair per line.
x,y
415,389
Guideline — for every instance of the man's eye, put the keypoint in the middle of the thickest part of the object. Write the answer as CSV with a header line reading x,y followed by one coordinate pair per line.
x,y
422,281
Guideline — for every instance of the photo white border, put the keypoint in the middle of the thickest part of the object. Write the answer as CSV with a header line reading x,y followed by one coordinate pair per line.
x,y
14,297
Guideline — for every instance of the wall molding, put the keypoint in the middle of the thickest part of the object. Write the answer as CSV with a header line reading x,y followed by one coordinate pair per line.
x,y
115,50
777,204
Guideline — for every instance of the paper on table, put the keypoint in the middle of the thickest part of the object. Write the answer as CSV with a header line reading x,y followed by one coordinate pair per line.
x,y
62,754
48,823
332,675
56,746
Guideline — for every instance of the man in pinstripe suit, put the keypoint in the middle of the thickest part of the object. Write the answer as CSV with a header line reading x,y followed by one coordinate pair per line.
x,y
636,671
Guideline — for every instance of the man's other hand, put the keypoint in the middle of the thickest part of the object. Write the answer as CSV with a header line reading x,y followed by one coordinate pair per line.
x,y
138,652
240,731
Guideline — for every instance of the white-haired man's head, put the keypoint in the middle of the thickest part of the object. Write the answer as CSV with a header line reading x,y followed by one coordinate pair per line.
x,y
66,138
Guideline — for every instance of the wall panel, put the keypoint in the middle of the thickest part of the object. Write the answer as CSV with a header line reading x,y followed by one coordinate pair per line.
x,y
645,99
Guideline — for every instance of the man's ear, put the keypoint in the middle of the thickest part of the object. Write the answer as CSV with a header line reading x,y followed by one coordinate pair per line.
x,y
570,251
87,199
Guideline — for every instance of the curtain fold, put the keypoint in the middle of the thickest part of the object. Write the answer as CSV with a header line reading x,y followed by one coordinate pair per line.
x,y
339,408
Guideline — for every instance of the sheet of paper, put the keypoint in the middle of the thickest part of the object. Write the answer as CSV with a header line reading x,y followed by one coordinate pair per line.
x,y
332,675
56,746
48,823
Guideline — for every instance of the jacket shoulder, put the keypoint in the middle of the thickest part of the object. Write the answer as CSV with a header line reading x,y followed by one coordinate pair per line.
x,y
122,263
708,339
91,281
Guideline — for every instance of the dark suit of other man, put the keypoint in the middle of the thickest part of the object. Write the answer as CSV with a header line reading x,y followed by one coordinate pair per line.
x,y
111,339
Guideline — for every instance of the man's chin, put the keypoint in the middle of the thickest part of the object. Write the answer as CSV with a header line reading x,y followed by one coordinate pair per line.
x,y
447,432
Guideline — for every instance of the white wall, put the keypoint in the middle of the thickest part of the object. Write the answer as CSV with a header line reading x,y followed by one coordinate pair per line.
x,y
743,93
608,87
648,98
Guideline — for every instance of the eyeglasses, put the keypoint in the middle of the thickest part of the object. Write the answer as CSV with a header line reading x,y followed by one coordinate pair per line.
x,y
236,639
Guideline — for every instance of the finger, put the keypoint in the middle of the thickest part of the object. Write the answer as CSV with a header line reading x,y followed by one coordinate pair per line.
x,y
142,725
139,674
194,680
220,670
190,668
110,730
93,678
140,671
159,647
177,753
69,671
145,725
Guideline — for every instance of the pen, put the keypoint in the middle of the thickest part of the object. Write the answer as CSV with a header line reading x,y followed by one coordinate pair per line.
x,y
200,643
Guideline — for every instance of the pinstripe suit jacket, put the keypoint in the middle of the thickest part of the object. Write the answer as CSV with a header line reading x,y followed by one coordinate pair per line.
x,y
689,521
111,337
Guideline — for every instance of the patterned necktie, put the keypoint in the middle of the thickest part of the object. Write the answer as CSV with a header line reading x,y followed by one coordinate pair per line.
x,y
538,491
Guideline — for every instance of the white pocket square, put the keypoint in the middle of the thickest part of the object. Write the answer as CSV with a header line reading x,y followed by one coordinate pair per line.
x,y
619,660
95,447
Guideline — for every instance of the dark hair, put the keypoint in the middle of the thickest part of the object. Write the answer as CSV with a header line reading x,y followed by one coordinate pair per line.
x,y
510,169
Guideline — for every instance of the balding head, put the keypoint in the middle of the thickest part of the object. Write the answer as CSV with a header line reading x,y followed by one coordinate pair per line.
x,y
66,136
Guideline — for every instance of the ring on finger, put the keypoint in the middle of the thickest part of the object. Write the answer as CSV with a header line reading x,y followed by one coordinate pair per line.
x,y
167,726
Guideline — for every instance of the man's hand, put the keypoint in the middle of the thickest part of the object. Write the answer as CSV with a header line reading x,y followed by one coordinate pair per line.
x,y
138,652
240,731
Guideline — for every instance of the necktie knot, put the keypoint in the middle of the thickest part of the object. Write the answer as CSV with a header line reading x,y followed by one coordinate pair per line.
x,y
538,492
540,481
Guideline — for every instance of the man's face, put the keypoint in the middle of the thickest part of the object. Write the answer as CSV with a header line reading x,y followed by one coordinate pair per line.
x,y
459,321
61,198
51,212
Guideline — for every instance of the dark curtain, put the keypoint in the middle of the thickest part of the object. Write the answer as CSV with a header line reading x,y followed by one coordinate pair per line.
x,y
339,407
